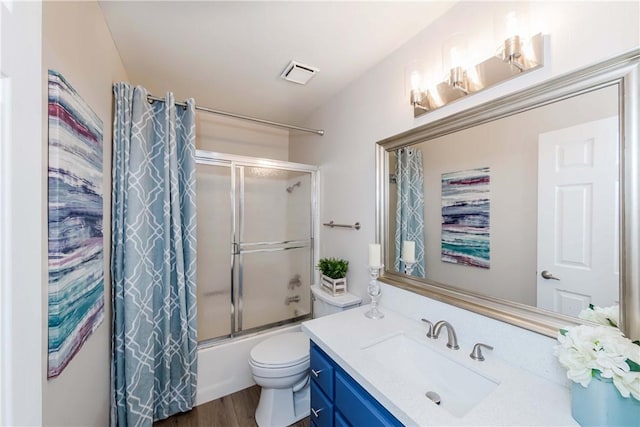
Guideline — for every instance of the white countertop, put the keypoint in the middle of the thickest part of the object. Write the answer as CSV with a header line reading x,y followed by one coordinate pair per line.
x,y
521,398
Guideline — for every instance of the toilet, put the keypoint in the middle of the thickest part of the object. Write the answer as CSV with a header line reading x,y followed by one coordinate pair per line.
x,y
280,366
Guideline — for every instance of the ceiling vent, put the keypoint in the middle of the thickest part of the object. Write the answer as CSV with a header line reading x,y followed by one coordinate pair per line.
x,y
298,73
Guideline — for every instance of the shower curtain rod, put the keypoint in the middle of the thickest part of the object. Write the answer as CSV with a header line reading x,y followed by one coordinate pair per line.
x,y
240,116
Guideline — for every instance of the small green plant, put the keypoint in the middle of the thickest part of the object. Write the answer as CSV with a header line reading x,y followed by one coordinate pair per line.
x,y
333,267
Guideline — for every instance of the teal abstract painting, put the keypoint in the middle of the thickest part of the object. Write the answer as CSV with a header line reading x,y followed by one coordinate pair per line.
x,y
465,217
75,248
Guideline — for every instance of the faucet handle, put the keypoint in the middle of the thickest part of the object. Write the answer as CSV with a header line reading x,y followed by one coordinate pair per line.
x,y
476,353
430,330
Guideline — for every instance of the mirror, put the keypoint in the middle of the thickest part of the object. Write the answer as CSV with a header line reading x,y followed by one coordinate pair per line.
x,y
528,209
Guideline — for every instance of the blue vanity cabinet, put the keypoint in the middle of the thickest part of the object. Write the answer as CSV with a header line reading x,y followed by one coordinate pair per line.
x,y
337,400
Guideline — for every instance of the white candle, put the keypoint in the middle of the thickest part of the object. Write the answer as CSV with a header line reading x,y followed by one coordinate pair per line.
x,y
409,251
374,255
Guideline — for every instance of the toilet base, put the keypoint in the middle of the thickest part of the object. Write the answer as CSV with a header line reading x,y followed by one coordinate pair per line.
x,y
282,407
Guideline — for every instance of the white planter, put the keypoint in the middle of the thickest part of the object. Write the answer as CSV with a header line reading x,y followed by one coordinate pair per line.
x,y
334,286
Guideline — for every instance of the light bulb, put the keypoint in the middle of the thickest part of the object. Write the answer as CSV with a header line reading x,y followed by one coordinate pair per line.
x,y
416,80
511,24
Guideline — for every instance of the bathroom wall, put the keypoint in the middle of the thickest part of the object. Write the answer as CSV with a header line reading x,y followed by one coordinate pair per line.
x,y
22,239
376,106
228,135
78,44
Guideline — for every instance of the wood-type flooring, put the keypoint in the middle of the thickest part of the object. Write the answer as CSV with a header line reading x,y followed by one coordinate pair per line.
x,y
235,410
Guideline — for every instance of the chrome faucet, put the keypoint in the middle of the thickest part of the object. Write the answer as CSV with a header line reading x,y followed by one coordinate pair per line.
x,y
452,341
430,330
476,354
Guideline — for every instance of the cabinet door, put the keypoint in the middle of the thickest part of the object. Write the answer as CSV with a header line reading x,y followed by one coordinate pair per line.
x,y
321,370
339,420
321,408
359,407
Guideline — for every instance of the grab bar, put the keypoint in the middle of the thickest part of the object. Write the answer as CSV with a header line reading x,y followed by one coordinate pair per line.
x,y
331,224
283,242
251,251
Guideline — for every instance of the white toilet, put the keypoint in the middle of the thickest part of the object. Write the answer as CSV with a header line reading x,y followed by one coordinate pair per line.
x,y
280,365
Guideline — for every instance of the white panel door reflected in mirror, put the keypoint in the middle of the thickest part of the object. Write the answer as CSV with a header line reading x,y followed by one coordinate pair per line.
x,y
578,225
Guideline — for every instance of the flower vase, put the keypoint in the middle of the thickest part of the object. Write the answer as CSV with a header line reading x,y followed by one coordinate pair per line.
x,y
600,404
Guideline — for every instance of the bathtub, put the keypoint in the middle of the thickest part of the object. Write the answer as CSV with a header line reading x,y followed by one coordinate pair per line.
x,y
224,368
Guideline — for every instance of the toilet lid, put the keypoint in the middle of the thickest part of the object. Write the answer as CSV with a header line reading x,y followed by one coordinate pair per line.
x,y
282,350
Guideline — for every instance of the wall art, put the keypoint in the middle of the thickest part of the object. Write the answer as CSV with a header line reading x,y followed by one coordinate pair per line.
x,y
75,252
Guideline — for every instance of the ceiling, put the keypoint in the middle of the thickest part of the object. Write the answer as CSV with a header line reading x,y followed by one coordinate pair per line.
x,y
229,55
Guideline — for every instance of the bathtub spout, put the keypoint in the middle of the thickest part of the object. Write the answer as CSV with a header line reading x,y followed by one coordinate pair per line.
x,y
289,300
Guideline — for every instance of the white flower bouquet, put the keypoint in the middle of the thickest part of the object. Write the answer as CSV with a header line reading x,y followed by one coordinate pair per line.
x,y
589,351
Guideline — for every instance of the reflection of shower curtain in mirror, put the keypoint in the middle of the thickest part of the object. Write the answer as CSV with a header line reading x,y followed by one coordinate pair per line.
x,y
410,207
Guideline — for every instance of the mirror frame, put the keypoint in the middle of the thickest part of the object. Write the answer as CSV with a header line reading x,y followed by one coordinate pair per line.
x,y
623,71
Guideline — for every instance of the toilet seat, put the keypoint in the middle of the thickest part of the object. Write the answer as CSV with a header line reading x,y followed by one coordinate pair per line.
x,y
281,351
280,372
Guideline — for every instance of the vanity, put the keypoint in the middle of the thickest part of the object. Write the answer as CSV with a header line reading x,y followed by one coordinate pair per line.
x,y
378,372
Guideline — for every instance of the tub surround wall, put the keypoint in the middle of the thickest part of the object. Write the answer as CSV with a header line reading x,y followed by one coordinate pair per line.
x,y
78,44
376,106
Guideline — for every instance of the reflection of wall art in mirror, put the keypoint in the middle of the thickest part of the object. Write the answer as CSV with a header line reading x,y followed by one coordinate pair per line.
x,y
465,217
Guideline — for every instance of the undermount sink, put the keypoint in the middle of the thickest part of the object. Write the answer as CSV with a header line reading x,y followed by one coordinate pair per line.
x,y
423,370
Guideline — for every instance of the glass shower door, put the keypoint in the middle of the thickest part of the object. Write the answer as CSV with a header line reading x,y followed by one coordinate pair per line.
x,y
214,218
255,245
275,256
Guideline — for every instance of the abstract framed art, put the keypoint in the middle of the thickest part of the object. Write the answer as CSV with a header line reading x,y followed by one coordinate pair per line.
x,y
75,218
465,217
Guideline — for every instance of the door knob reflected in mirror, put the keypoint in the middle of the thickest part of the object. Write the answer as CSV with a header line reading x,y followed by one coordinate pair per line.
x,y
548,275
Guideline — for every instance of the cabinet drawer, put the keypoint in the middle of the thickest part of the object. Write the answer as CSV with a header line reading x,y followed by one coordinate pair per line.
x,y
321,370
321,413
357,406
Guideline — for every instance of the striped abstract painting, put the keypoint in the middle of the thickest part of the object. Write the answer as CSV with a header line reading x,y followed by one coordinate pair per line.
x,y
76,266
465,217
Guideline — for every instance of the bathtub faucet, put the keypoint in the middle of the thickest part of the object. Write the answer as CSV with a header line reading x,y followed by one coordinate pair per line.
x,y
289,300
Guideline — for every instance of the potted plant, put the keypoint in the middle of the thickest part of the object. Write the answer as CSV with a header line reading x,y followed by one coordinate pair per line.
x,y
604,366
334,275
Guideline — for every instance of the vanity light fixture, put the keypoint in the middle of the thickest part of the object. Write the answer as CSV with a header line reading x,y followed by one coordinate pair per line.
x,y
418,94
517,54
454,53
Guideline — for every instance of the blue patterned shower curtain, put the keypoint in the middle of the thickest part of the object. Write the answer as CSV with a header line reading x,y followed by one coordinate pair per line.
x,y
153,261
410,207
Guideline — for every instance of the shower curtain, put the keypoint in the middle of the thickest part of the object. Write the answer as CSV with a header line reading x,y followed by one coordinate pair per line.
x,y
153,263
410,207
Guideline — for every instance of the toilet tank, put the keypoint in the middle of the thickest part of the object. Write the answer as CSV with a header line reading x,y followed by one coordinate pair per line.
x,y
324,303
